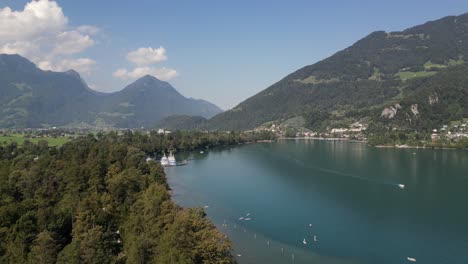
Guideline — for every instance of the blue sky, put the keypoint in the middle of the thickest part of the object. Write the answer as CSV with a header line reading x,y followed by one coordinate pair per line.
x,y
224,51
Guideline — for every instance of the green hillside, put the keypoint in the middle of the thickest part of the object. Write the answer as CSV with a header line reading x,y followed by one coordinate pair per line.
x,y
147,101
359,82
182,122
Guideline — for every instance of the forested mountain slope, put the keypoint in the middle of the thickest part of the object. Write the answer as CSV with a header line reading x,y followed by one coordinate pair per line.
x,y
363,79
33,98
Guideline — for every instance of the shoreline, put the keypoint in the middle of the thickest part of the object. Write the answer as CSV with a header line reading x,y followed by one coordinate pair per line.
x,y
264,141
404,146
325,139
410,147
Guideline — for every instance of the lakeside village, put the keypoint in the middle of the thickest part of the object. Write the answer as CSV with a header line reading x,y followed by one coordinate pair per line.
x,y
452,135
449,135
19,135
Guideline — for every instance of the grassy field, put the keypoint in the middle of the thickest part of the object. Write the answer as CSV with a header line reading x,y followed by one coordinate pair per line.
x,y
313,80
410,75
429,65
19,139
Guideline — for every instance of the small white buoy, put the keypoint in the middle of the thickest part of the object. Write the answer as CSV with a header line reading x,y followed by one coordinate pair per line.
x,y
310,225
411,259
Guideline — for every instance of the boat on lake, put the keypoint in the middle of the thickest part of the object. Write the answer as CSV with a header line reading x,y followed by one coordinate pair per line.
x,y
164,160
171,159
168,161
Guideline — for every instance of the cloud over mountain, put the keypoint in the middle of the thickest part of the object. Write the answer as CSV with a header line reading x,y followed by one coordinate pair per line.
x,y
163,73
144,59
147,56
41,33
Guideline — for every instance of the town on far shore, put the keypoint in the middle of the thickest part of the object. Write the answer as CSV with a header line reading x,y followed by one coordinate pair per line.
x,y
448,135
452,135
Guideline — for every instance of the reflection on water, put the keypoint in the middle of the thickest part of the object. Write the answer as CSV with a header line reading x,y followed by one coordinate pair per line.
x,y
346,190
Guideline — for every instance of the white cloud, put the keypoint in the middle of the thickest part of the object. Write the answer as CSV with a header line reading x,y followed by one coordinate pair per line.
x,y
144,58
121,73
147,56
40,32
24,48
88,29
81,65
163,73
36,18
72,42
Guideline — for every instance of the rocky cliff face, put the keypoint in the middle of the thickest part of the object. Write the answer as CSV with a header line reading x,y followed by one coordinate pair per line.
x,y
391,111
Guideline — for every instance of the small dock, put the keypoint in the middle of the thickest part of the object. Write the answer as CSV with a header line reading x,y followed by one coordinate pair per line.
x,y
183,163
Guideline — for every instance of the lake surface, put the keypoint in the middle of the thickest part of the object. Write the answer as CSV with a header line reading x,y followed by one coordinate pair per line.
x,y
347,191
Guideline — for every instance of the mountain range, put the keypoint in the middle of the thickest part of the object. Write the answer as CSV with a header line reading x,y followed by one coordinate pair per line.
x,y
418,73
33,98
415,79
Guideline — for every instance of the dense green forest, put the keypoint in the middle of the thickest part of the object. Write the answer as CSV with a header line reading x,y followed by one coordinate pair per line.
x,y
449,92
97,200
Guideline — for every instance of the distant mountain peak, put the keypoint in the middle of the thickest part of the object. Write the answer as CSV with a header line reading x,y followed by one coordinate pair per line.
x,y
31,97
14,57
17,62
77,76
149,82
148,79
73,73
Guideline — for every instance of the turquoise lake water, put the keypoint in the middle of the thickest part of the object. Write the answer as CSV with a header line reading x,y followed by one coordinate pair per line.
x,y
348,193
